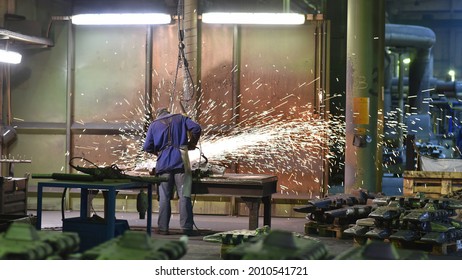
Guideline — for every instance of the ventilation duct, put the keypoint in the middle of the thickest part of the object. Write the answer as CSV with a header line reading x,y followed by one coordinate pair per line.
x,y
420,41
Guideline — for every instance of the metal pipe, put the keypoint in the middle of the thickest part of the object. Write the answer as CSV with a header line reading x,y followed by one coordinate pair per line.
x,y
398,35
400,101
70,85
420,71
6,34
236,73
148,77
422,40
321,86
439,88
7,89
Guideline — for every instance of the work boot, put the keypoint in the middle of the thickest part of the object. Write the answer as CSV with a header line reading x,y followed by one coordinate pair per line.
x,y
190,232
162,232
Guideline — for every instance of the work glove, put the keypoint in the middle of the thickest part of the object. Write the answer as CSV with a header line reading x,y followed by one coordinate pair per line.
x,y
191,146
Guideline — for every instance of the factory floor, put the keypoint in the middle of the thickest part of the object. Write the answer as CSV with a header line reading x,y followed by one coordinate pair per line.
x,y
206,225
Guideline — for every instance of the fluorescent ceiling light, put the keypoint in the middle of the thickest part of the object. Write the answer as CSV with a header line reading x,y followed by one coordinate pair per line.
x,y
121,19
10,57
253,18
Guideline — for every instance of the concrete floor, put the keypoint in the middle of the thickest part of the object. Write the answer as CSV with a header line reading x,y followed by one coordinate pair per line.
x,y
198,249
205,225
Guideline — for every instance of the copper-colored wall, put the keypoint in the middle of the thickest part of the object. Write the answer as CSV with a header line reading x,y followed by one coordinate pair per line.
x,y
217,75
164,64
276,81
275,62
275,72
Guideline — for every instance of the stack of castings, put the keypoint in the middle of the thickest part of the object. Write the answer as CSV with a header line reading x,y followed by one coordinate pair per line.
x,y
233,238
339,209
21,241
137,245
411,219
454,195
279,245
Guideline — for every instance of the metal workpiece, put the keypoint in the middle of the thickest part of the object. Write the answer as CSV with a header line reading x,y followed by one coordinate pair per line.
x,y
337,208
432,223
236,237
407,220
405,235
334,201
137,245
408,202
23,242
357,230
428,213
279,245
378,233
454,196
389,212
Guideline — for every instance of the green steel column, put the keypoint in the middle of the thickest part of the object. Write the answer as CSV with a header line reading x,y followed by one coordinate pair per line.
x,y
364,95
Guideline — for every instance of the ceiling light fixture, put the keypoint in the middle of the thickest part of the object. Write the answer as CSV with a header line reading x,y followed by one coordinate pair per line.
x,y
254,18
10,57
121,19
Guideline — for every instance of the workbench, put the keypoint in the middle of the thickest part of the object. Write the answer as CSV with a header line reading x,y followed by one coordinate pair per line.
x,y
253,189
110,186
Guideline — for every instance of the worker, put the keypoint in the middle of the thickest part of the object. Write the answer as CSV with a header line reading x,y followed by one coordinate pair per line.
x,y
169,137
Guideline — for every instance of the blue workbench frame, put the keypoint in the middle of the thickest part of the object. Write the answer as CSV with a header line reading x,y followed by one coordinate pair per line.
x,y
111,186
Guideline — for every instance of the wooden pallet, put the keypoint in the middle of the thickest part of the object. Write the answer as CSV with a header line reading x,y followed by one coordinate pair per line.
x,y
432,248
433,184
326,230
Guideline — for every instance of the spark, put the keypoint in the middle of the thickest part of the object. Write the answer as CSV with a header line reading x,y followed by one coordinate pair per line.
x,y
274,142
293,141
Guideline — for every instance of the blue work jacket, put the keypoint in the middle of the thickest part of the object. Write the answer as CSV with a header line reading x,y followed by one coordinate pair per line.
x,y
166,135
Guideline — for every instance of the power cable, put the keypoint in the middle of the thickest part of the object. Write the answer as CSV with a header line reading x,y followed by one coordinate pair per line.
x,y
182,60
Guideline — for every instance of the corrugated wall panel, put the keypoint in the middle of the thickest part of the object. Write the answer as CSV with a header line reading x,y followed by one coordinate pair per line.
x,y
38,84
109,73
217,75
277,77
